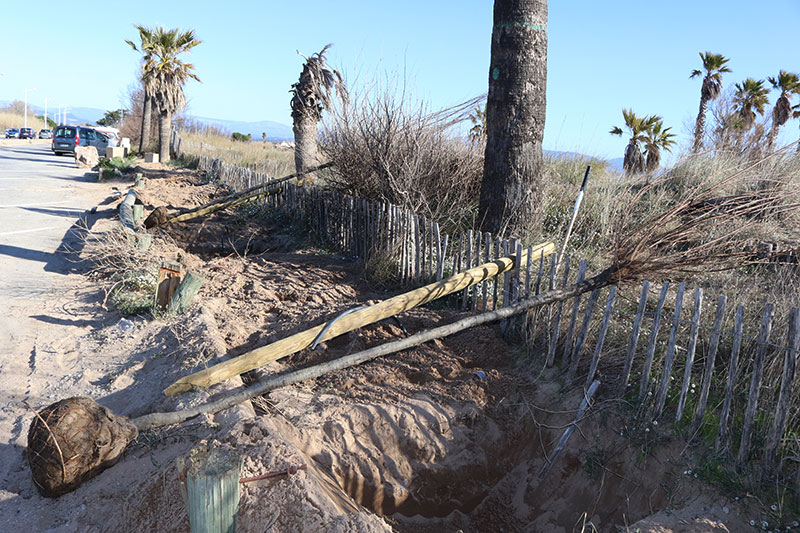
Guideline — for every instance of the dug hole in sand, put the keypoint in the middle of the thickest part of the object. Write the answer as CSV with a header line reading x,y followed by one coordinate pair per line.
x,y
447,436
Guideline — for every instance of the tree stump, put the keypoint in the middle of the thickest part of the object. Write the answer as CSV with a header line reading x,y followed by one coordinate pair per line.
x,y
212,489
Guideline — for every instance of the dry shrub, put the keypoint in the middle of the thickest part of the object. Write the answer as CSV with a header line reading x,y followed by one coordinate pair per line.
x,y
386,146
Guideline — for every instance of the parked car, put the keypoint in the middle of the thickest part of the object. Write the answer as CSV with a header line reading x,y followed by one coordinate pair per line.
x,y
45,134
12,133
66,138
27,133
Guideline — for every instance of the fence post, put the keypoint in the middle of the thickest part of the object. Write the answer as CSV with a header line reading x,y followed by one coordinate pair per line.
x,y
584,331
723,435
693,333
708,371
487,241
551,350
669,357
634,338
644,383
468,260
601,336
565,358
785,395
755,385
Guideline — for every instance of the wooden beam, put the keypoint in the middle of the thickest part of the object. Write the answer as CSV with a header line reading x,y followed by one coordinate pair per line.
x,y
374,313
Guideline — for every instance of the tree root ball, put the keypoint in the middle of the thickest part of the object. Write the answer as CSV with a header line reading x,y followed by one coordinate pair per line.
x,y
156,218
74,440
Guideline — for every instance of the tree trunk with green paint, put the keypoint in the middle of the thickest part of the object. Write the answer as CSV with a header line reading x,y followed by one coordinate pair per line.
x,y
510,199
164,129
147,117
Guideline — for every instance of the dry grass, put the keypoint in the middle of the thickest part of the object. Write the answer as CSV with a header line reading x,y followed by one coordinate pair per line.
x,y
17,120
258,156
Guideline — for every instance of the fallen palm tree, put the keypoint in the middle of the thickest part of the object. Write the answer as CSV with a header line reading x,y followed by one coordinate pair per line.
x,y
73,440
351,321
159,216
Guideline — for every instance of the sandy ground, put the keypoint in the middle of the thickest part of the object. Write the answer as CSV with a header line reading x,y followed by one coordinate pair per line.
x,y
450,436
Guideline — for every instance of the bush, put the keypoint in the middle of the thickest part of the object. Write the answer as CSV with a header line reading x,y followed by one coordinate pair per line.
x,y
241,137
385,146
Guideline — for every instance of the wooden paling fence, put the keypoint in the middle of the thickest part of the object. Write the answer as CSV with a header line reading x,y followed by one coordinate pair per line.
x,y
708,379
412,247
698,366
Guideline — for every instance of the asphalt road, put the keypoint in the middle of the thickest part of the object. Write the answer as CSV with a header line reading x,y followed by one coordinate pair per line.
x,y
42,197
44,200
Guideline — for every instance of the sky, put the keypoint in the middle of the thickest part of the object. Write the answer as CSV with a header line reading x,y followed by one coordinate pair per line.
x,y
602,56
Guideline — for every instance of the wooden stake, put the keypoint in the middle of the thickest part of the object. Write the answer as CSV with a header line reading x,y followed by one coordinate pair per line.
x,y
585,403
644,383
784,397
374,313
634,338
183,297
723,433
755,386
212,489
601,336
693,333
708,371
669,357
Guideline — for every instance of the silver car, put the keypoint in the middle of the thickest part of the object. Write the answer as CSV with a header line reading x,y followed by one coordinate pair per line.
x,y
66,138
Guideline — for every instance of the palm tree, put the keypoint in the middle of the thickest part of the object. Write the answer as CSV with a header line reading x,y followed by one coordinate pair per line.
x,y
788,83
714,66
311,95
638,128
169,74
750,98
657,138
511,199
146,36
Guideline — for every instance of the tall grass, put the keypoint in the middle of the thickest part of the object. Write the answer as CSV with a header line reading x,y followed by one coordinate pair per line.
x,y
260,156
17,120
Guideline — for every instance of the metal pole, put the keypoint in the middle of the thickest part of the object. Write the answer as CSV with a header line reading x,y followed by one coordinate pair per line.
x,y
574,212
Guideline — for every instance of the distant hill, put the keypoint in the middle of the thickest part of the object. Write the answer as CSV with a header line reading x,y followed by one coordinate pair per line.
x,y
275,131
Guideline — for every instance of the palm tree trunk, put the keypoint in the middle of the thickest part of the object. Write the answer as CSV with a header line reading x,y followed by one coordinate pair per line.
x,y
773,134
164,129
147,117
700,126
510,199
305,142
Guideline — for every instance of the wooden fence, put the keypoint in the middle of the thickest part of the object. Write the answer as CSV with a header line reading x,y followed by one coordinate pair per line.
x,y
708,379
700,367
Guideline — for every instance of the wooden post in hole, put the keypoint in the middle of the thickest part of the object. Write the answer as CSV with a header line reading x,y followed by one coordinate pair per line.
x,y
185,294
212,489
169,277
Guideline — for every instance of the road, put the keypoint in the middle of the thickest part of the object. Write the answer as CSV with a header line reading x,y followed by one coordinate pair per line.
x,y
43,200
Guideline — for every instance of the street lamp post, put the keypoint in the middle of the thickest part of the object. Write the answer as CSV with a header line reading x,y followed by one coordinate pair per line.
x,y
26,106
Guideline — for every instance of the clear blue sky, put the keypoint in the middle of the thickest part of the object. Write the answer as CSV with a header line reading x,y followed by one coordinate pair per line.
x,y
602,55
